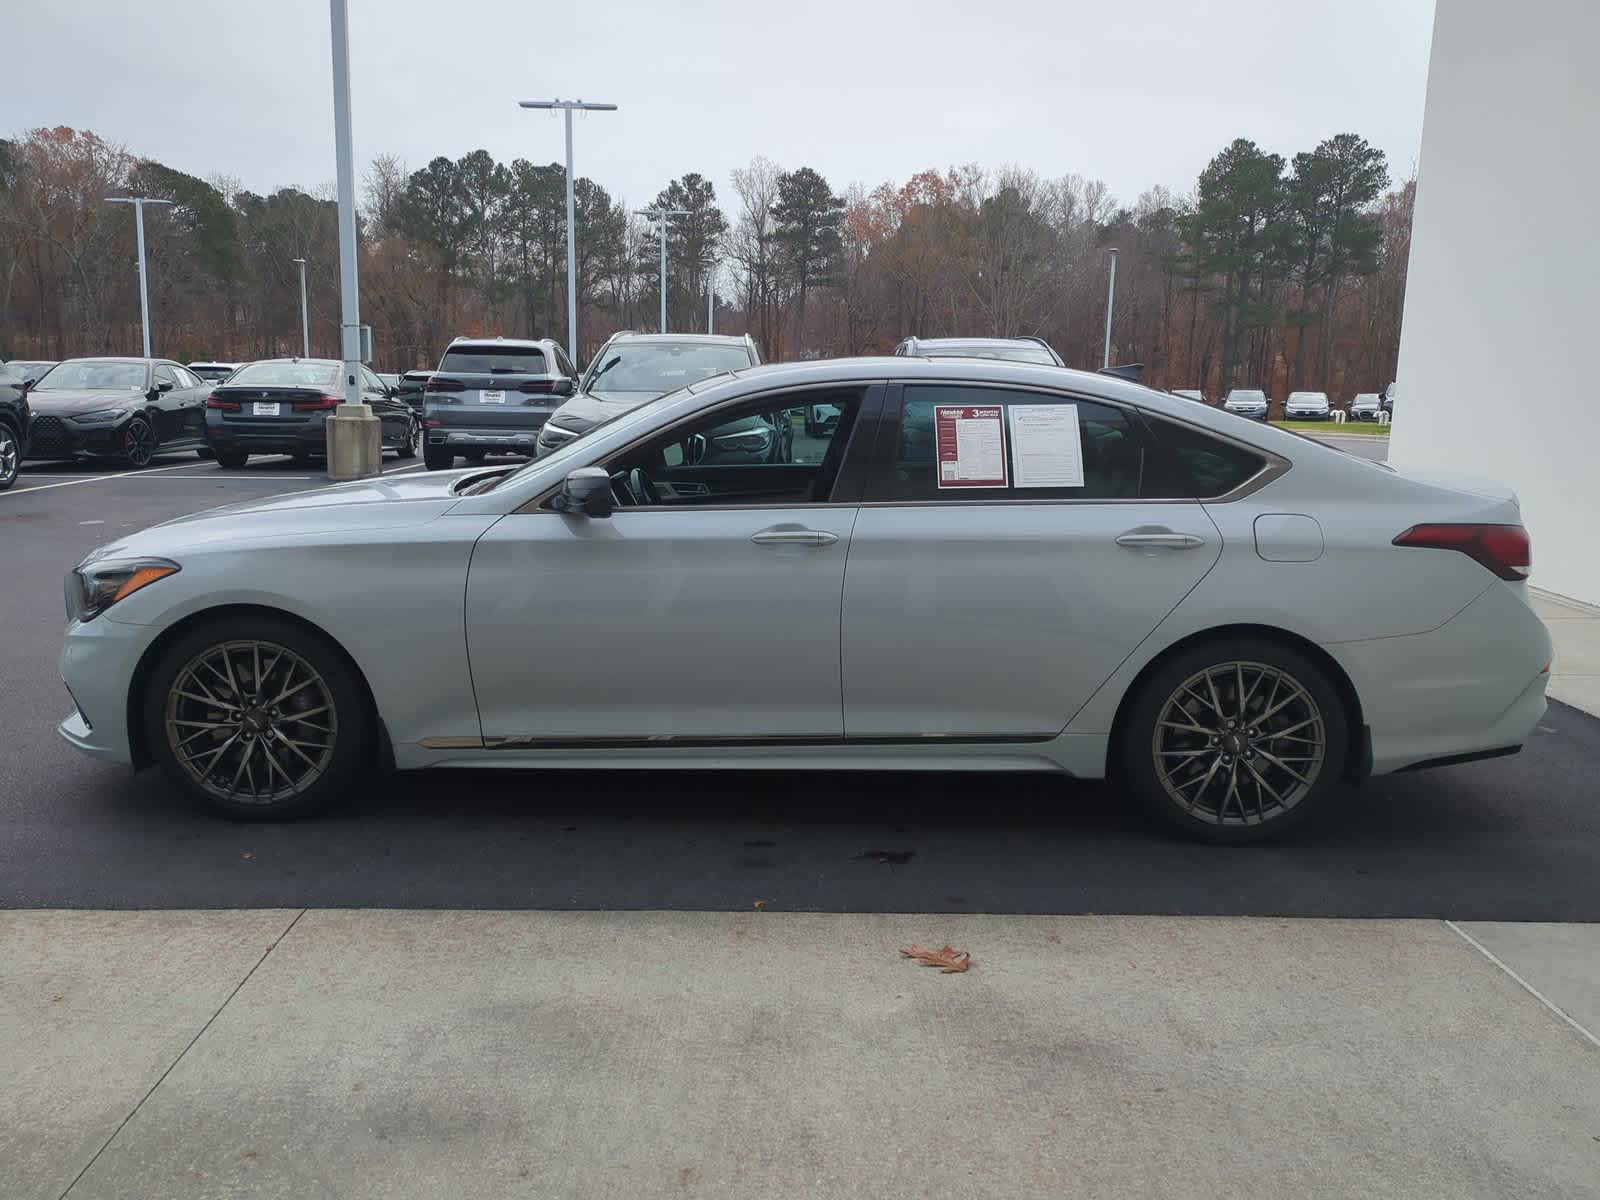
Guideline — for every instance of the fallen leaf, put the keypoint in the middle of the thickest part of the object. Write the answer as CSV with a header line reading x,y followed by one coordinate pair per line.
x,y
761,904
948,959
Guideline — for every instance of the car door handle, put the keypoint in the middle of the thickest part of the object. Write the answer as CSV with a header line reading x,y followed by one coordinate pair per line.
x,y
1161,539
794,537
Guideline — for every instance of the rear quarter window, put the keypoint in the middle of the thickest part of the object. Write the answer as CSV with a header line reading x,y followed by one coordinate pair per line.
x,y
1189,464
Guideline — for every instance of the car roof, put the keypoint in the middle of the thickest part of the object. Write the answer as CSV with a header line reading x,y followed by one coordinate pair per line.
x,y
708,339
956,342
321,362
117,358
524,343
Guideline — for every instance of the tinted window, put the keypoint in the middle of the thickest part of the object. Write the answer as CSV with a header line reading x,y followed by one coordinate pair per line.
x,y
655,368
493,360
164,375
370,381
286,374
1188,463
88,375
565,364
1112,445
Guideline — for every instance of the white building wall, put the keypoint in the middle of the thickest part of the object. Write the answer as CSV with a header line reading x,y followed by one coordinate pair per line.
x,y
1502,313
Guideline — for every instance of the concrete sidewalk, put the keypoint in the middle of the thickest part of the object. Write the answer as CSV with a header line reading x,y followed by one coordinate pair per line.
x,y
1575,629
430,1054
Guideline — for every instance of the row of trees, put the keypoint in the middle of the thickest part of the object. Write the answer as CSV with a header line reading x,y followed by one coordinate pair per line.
x,y
1271,272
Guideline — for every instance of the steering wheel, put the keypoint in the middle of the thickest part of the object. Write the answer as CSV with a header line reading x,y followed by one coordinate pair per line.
x,y
644,491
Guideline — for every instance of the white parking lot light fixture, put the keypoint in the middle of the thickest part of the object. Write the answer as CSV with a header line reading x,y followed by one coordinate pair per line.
x,y
1111,300
661,215
305,320
567,106
138,203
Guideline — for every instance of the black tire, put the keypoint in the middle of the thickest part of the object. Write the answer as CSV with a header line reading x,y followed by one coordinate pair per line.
x,y
205,453
232,458
438,458
408,448
338,687
300,458
138,443
1212,811
10,456
475,457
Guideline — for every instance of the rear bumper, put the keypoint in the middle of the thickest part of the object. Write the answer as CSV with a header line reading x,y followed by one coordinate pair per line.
x,y
310,438
518,440
1475,684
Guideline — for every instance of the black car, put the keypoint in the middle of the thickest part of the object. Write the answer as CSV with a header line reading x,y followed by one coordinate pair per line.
x,y
493,396
13,425
122,408
410,388
278,405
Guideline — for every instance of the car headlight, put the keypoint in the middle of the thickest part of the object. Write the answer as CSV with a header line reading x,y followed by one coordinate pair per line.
x,y
101,414
755,439
93,587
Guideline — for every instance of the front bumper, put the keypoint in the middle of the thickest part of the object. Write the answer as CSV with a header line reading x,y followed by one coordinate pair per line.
x,y
97,664
1306,414
50,436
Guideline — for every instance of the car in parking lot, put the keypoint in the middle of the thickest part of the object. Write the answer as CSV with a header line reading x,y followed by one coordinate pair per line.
x,y
1307,406
1247,402
1366,407
409,389
278,406
493,396
214,372
15,418
632,368
992,566
29,370
1020,349
127,409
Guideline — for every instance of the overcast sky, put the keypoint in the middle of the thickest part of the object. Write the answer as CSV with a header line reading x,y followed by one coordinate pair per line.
x,y
1136,92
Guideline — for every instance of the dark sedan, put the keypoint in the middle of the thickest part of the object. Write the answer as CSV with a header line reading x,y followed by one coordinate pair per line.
x,y
122,408
278,405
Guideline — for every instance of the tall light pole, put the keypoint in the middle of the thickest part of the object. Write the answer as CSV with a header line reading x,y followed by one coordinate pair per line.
x,y
572,243
711,299
138,203
344,154
660,215
305,318
1111,300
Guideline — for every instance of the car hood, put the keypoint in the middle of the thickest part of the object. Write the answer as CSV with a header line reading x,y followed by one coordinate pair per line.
x,y
597,407
65,403
369,504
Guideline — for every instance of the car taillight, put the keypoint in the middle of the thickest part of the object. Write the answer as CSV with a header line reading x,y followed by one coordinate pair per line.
x,y
320,404
433,423
222,404
535,385
1504,549
444,385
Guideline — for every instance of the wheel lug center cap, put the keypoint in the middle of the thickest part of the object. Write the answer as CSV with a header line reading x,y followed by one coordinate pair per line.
x,y
255,720
1234,743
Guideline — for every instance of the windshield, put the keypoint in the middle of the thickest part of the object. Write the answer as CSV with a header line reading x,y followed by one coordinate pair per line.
x,y
658,368
1245,394
286,374
492,360
1024,354
86,375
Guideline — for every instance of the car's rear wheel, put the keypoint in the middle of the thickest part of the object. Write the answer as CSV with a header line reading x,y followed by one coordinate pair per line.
x,y
10,456
257,718
1235,740
138,443
408,448
438,458
232,458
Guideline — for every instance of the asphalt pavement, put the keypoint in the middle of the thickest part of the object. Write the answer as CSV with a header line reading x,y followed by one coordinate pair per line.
x,y
1513,839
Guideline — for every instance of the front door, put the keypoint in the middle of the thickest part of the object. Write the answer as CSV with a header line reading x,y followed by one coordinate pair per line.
x,y
1005,562
704,610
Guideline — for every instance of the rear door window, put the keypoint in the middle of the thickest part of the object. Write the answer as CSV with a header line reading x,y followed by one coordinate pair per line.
x,y
1187,463
493,360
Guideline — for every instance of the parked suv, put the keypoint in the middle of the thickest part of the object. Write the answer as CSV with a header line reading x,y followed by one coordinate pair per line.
x,y
1023,349
14,420
213,372
632,368
1247,402
1306,406
1366,407
493,396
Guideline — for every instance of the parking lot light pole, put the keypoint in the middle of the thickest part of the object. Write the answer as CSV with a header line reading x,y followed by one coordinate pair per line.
x,y
660,215
567,106
1111,300
138,203
305,319
711,300
344,156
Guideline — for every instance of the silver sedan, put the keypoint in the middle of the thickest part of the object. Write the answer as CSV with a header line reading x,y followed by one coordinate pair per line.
x,y
987,566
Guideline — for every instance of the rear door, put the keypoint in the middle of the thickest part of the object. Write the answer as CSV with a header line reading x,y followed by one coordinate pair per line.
x,y
1008,556
168,403
195,390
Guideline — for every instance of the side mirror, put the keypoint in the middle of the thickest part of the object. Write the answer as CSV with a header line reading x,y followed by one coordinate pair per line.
x,y
561,387
587,490
164,386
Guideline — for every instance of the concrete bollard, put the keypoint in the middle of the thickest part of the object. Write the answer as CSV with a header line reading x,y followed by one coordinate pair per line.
x,y
1339,416
355,442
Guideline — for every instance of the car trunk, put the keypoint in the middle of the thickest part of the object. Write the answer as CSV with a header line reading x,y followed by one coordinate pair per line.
x,y
493,399
270,409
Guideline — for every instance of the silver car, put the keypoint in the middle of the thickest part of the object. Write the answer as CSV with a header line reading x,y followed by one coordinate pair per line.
x,y
1307,406
991,566
1247,402
1366,407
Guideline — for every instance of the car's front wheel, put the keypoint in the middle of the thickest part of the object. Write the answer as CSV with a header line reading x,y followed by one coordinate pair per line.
x,y
10,456
1235,740
257,717
232,458
138,443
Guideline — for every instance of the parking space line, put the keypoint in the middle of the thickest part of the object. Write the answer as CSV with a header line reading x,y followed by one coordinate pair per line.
x,y
1525,985
42,487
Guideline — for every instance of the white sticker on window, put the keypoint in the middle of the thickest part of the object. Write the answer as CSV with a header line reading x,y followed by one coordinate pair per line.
x,y
1046,447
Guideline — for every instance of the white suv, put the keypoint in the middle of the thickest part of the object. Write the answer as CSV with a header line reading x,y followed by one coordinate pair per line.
x,y
1306,406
